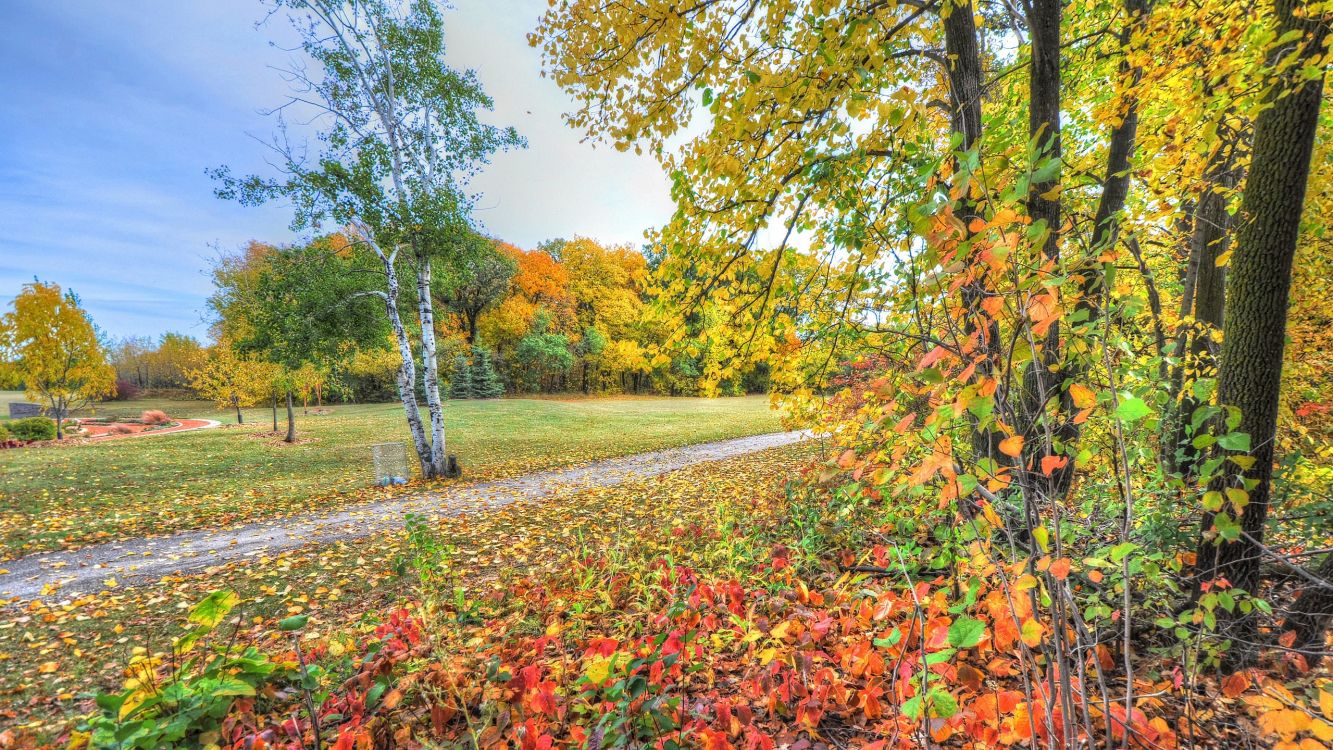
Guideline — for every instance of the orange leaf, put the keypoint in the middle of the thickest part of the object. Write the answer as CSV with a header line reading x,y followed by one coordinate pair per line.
x,y
1060,569
1235,684
1050,464
1083,396
1012,446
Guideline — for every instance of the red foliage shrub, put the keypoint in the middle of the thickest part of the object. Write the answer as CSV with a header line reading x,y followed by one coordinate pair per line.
x,y
120,429
154,416
125,390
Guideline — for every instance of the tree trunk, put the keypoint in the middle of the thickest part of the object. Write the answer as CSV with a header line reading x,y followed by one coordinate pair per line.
x,y
1044,117
1212,232
236,402
407,373
1250,375
275,414
964,69
426,316
291,421
1106,230
59,410
1311,612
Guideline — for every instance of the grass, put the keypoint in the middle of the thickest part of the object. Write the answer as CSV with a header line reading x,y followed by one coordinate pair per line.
x,y
73,495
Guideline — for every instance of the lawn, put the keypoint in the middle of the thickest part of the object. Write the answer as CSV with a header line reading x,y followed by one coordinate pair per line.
x,y
83,493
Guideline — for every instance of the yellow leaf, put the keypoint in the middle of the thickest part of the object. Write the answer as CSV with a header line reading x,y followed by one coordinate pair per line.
x,y
598,670
1284,722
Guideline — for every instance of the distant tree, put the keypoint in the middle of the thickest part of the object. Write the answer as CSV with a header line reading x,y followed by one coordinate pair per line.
x,y
485,381
173,358
541,355
48,342
130,360
460,385
231,380
295,307
476,281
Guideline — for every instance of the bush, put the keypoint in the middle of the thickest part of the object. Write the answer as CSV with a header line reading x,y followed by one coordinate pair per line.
x,y
4,433
29,429
125,390
120,429
154,416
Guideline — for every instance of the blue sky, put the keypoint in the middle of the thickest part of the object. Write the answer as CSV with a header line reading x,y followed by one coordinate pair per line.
x,y
113,111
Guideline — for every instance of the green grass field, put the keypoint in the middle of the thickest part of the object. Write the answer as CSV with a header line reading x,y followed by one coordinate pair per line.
x,y
73,495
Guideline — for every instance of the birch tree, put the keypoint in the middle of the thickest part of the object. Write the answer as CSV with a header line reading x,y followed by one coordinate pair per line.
x,y
399,136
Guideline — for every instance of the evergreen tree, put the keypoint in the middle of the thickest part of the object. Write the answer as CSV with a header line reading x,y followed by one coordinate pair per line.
x,y
485,382
460,386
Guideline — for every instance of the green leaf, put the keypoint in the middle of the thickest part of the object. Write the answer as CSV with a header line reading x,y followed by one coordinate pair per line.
x,y
939,657
1235,441
210,611
232,686
295,622
943,704
966,632
1132,409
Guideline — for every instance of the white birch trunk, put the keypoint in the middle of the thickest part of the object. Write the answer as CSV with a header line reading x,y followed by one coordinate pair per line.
x,y
407,373
426,313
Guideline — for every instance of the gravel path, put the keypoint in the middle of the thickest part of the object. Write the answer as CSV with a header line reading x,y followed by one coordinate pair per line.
x,y
144,560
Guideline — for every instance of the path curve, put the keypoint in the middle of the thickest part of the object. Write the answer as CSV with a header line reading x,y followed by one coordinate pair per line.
x,y
144,560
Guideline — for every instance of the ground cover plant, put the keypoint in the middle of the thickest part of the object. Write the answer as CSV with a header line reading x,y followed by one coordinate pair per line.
x,y
722,606
55,651
70,496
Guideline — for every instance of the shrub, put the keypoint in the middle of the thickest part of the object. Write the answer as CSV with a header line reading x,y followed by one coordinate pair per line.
x,y
460,385
120,429
154,416
4,432
485,382
125,390
29,429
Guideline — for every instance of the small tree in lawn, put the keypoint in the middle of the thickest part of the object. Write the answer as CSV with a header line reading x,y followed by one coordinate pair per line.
x,y
460,386
231,380
485,382
49,343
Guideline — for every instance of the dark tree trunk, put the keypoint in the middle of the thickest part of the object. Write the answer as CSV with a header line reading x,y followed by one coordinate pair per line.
x,y
275,414
236,402
1106,230
1256,314
964,69
1212,232
1044,116
291,421
1311,612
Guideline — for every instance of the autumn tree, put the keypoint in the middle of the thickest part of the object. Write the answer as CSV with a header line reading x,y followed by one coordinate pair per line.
x,y
476,281
1250,371
230,379
908,185
49,343
172,359
399,134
